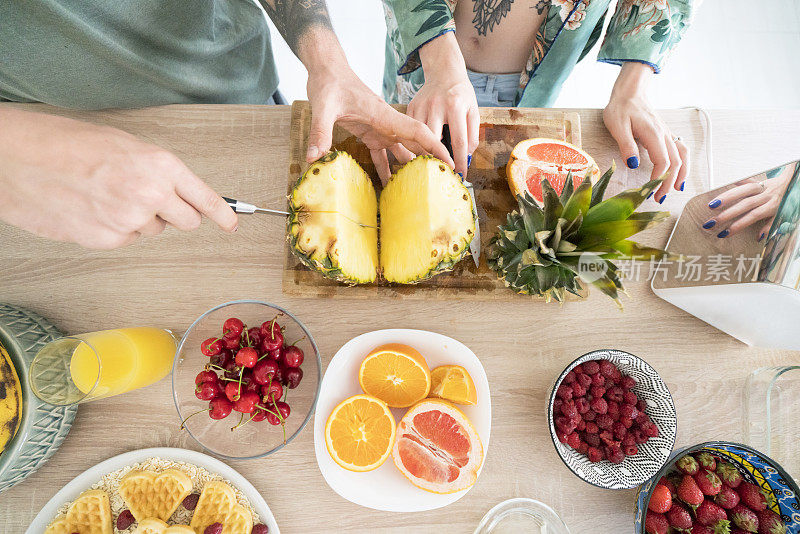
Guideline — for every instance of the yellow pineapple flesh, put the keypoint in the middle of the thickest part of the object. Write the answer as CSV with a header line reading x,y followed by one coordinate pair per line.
x,y
426,221
326,205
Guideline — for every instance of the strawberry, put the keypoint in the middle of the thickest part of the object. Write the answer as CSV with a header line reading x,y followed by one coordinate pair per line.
x,y
660,500
736,530
727,498
709,482
687,465
729,475
752,497
689,492
744,518
770,523
697,528
664,481
655,523
709,513
679,517
706,460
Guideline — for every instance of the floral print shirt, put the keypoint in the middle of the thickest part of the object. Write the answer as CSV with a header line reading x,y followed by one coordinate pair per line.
x,y
640,30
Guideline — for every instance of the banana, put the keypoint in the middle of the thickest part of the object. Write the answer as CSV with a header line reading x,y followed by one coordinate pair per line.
x,y
10,399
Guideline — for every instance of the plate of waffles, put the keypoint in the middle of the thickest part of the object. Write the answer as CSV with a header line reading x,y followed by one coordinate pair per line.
x,y
157,491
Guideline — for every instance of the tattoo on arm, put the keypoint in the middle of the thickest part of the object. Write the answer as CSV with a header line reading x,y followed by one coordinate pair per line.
x,y
488,13
294,17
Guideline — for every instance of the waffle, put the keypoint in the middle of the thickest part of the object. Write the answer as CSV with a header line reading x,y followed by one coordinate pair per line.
x,y
154,496
217,504
90,513
156,526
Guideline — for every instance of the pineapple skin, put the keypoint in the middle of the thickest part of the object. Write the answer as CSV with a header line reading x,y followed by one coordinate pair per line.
x,y
448,261
328,266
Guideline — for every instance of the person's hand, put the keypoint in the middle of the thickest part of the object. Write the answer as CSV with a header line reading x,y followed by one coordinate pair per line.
x,y
749,202
95,185
629,118
338,95
447,97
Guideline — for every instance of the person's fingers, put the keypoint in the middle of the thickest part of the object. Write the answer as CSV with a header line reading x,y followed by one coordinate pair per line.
x,y
435,122
621,131
722,220
413,134
181,215
458,140
734,194
205,200
674,166
765,230
154,227
320,136
683,151
473,129
759,213
401,153
656,147
381,161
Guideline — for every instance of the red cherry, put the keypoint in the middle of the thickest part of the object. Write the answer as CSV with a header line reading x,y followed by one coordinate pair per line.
x,y
247,402
231,343
293,356
246,357
273,419
220,408
211,346
205,376
272,391
272,342
276,354
222,358
253,386
254,336
293,376
283,408
264,371
233,391
259,415
208,390
232,328
270,326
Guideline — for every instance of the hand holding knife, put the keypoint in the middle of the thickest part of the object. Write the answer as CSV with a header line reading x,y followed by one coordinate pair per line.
x,y
475,244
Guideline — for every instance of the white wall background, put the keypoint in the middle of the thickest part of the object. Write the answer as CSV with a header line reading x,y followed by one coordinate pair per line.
x,y
737,54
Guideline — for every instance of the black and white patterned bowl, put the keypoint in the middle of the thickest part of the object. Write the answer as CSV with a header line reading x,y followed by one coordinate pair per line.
x,y
652,456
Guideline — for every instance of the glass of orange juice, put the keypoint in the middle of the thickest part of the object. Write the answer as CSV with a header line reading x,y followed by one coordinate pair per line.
x,y
96,365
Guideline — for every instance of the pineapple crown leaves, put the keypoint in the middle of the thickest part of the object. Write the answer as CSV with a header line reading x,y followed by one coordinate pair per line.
x,y
544,249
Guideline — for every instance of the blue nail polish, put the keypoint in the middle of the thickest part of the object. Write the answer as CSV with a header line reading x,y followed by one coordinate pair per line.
x,y
650,195
714,203
723,233
461,175
633,162
709,224
662,199
683,184
761,236
469,160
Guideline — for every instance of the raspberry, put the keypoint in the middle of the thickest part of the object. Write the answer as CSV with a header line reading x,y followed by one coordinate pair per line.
x,y
627,423
564,392
557,405
642,418
628,382
615,394
581,426
613,408
640,436
578,390
595,454
585,380
630,450
589,416
641,405
578,369
573,440
562,436
628,440
628,411
569,410
592,439
570,378
607,436
651,430
591,367
582,405
619,430
582,447
615,455
598,379
597,391
565,425
599,405
592,428
607,368
629,397
604,421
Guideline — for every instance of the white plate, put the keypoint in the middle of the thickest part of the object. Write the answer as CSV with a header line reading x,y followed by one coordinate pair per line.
x,y
386,488
92,475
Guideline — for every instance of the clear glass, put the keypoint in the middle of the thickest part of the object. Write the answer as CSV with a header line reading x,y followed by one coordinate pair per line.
x,y
96,365
254,439
521,515
772,414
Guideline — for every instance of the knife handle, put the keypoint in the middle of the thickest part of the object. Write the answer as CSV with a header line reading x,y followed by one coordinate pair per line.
x,y
239,206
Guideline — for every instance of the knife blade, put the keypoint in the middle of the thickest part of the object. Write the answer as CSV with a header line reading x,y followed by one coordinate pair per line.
x,y
475,244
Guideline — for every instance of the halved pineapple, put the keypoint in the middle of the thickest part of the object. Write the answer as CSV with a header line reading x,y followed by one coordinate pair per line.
x,y
326,205
426,221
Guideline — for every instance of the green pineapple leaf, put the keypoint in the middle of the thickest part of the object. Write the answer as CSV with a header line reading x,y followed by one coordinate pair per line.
x,y
567,191
552,205
620,206
630,250
599,188
578,202
606,233
532,215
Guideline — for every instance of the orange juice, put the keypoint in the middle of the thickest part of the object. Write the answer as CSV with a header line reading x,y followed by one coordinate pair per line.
x,y
122,360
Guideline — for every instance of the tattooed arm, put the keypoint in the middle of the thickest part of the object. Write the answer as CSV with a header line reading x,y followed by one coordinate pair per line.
x,y
337,94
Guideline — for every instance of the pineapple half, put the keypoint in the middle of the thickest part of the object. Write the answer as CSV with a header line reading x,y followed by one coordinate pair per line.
x,y
325,207
426,221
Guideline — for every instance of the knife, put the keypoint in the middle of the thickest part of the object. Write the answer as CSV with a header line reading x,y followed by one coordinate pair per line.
x,y
475,244
245,207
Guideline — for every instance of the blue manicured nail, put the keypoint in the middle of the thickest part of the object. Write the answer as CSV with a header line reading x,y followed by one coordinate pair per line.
x,y
683,184
633,162
761,236
650,195
662,199
709,224
469,160
723,233
714,203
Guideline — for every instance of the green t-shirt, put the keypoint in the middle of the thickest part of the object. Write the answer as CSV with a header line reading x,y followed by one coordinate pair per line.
x,y
93,54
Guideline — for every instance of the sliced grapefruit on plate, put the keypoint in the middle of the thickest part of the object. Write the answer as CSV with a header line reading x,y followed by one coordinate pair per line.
x,y
437,448
535,160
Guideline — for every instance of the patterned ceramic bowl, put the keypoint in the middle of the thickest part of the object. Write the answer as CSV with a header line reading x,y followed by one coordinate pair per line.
x,y
43,427
652,455
754,466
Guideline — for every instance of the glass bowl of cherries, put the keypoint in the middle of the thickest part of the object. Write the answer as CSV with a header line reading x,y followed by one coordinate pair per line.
x,y
246,379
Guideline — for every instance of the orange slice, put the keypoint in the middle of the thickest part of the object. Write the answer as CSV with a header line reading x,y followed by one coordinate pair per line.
x,y
535,160
360,433
453,383
437,448
397,374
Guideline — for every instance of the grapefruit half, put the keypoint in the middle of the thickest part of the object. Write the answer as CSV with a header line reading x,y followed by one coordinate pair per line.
x,y
437,448
535,160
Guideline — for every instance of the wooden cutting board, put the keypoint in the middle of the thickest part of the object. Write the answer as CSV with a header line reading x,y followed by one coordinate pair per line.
x,y
501,129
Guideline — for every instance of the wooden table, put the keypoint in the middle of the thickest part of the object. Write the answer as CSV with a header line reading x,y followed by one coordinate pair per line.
x,y
168,281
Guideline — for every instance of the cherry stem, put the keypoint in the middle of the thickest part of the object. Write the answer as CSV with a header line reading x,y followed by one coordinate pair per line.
x,y
183,423
298,341
241,418
213,366
241,372
241,424
247,337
